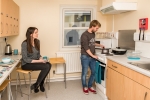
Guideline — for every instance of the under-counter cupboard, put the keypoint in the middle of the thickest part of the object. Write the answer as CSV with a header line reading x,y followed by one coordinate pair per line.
x,y
123,83
9,18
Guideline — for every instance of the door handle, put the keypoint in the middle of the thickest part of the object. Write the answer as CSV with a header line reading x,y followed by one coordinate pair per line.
x,y
145,96
107,74
102,65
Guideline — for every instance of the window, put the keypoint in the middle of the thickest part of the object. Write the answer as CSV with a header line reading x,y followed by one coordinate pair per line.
x,y
74,21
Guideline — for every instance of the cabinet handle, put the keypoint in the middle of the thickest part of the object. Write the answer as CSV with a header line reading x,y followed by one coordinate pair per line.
x,y
1,27
7,27
107,74
145,95
14,28
114,66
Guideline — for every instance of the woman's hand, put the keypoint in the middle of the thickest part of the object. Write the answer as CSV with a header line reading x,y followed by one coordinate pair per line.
x,y
42,61
40,58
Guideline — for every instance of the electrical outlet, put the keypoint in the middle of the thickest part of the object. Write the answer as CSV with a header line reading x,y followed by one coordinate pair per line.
x,y
53,71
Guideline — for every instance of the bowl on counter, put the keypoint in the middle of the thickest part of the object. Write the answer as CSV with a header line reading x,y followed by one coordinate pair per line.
x,y
133,55
6,60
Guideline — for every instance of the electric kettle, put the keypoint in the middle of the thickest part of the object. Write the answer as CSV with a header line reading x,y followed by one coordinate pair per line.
x,y
8,50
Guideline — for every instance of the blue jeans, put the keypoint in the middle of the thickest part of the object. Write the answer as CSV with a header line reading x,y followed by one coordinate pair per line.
x,y
86,62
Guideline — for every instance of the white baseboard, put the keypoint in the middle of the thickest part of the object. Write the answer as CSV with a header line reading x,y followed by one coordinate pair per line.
x,y
101,94
51,80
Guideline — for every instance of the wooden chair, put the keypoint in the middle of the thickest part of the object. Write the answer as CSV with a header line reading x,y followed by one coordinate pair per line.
x,y
3,87
20,70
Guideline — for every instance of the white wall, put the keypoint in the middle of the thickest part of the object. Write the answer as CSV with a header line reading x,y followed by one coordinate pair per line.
x,y
144,48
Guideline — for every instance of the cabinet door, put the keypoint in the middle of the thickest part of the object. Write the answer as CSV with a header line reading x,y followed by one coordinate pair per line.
x,y
17,20
11,9
135,91
117,85
5,17
3,21
108,83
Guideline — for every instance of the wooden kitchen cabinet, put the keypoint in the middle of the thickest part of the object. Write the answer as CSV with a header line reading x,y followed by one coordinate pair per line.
x,y
126,84
117,82
9,15
108,2
113,85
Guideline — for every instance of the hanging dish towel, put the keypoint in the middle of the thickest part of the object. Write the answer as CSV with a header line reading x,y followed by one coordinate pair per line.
x,y
99,72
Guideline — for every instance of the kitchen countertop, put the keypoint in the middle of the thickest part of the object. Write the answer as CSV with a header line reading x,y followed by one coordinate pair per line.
x,y
122,60
6,73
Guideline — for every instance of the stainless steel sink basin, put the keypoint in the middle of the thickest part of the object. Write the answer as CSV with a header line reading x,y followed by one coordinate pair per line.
x,y
143,65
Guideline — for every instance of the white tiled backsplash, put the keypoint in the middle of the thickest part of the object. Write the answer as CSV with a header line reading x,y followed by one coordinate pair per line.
x,y
2,46
144,48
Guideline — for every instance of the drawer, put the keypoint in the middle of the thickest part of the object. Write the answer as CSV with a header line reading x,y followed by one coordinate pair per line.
x,y
117,67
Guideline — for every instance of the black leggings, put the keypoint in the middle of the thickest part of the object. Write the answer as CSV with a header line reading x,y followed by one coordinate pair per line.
x,y
44,67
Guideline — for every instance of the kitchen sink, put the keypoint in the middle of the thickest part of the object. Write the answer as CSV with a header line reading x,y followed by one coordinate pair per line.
x,y
143,65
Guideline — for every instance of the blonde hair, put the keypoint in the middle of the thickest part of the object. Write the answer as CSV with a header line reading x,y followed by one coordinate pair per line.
x,y
94,23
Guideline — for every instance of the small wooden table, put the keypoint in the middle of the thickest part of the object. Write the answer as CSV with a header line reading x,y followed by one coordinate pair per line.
x,y
59,60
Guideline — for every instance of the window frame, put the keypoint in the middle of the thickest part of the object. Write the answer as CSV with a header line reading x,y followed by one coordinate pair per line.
x,y
63,8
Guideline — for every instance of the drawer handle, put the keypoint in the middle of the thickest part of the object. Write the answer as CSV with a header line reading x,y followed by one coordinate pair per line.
x,y
145,96
114,66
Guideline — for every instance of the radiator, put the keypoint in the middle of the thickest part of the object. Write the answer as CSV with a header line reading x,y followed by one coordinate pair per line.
x,y
73,63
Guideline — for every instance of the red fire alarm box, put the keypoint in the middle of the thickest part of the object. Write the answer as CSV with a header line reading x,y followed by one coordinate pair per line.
x,y
143,23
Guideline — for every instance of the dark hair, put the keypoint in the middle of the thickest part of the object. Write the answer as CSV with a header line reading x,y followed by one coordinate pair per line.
x,y
30,31
94,23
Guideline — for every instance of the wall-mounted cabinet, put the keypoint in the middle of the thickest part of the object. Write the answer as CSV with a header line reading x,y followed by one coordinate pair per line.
x,y
9,18
107,2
